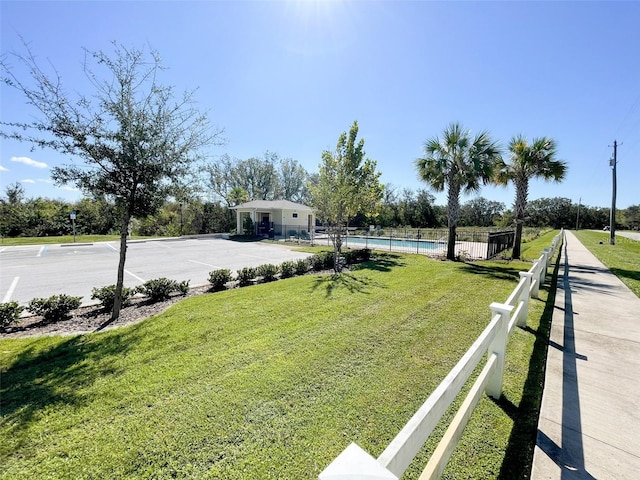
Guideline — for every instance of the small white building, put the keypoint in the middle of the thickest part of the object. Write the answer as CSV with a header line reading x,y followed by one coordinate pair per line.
x,y
277,218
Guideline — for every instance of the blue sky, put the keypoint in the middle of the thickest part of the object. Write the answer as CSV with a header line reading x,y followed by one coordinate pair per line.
x,y
290,76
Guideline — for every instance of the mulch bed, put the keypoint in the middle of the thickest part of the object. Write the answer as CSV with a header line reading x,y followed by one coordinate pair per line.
x,y
95,318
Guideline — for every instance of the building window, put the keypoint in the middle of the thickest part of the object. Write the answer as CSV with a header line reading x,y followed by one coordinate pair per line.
x,y
295,215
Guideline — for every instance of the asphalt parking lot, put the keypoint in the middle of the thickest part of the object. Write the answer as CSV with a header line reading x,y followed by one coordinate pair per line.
x,y
33,271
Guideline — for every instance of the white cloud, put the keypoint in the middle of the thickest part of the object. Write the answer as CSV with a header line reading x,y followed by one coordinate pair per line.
x,y
2,169
28,161
28,180
69,189
45,180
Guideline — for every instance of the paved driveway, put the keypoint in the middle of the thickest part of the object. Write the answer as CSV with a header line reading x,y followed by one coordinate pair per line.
x,y
28,272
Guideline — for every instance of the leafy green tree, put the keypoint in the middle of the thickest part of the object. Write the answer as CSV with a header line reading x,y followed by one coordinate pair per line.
x,y
12,214
219,178
631,217
237,196
526,161
461,163
480,212
259,177
267,178
388,210
96,215
14,193
556,212
292,181
136,139
216,218
426,212
348,184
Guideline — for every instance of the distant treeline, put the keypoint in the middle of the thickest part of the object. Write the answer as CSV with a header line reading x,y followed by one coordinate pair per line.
x,y
36,217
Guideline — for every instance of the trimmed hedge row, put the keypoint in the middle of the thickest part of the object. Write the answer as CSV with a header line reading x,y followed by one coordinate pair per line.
x,y
220,279
58,307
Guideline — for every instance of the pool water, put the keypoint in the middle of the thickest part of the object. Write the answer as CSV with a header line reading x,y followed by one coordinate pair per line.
x,y
391,243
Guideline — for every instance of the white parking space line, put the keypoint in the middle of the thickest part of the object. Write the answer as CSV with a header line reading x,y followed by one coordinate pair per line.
x,y
7,295
134,276
111,247
3,249
205,264
42,251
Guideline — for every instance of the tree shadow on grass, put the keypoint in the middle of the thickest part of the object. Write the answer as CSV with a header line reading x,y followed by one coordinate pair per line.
x,y
622,273
506,271
41,378
518,457
381,262
345,280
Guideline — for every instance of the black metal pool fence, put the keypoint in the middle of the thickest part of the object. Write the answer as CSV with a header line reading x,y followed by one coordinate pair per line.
x,y
470,244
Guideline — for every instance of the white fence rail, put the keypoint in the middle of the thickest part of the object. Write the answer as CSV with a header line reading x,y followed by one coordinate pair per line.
x,y
356,464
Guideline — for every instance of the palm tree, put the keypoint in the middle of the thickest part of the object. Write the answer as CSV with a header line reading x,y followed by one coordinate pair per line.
x,y
462,164
529,160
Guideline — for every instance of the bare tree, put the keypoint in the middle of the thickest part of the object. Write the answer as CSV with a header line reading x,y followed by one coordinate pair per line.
x,y
136,140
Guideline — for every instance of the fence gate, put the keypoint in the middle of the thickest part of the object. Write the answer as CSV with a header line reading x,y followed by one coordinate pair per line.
x,y
498,242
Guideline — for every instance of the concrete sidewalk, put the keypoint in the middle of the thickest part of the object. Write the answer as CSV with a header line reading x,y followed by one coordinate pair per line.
x,y
589,426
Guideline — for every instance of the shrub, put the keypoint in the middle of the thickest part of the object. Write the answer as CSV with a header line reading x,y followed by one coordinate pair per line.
x,y
247,227
54,308
349,256
302,266
356,255
316,262
268,272
219,278
321,261
287,269
364,254
107,295
183,287
328,259
245,276
161,288
9,313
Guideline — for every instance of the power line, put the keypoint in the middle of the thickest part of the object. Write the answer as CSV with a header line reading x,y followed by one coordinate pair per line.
x,y
634,105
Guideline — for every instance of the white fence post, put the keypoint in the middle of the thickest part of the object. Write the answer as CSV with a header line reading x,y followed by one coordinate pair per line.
x,y
537,266
354,464
499,347
544,266
524,298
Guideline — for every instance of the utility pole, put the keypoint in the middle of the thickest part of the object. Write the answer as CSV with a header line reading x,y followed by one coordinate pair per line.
x,y
578,215
612,214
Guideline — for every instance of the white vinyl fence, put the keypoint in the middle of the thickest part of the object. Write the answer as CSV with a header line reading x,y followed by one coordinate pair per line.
x,y
354,463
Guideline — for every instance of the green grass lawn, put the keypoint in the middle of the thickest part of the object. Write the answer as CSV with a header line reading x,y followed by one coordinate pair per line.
x,y
11,241
273,381
623,258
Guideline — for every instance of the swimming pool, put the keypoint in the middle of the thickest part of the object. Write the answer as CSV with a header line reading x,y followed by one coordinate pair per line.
x,y
393,243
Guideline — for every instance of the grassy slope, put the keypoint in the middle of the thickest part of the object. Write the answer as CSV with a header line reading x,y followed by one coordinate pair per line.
x,y
271,381
623,258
